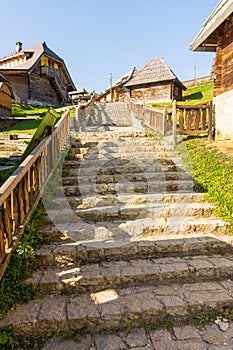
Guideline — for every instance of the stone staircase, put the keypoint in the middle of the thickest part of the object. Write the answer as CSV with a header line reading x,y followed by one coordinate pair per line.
x,y
131,242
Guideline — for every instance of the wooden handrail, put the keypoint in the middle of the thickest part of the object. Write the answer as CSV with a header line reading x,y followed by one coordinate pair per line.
x,y
20,194
82,111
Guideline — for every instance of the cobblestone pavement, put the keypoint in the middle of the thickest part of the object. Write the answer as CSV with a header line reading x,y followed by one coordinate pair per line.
x,y
208,337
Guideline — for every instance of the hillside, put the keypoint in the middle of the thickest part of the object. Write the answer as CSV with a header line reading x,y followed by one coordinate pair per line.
x,y
198,94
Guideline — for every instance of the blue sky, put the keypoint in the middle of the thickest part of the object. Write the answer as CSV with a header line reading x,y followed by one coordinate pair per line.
x,y
99,37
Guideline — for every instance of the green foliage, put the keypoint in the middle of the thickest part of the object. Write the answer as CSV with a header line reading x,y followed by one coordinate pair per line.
x,y
213,174
169,324
202,319
12,289
10,341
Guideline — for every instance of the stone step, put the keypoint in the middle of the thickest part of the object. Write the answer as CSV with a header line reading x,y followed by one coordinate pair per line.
x,y
121,132
80,229
108,156
90,189
128,200
116,165
110,308
128,177
77,168
145,210
148,227
102,149
118,142
112,213
94,251
77,279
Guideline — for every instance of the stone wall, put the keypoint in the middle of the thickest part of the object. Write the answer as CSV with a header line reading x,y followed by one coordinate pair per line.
x,y
224,116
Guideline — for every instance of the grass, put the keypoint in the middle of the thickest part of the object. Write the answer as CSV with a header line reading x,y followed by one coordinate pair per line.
x,y
19,110
201,93
25,126
198,94
28,125
213,174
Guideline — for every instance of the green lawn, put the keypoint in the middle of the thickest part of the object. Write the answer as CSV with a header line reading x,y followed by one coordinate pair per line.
x,y
25,126
21,110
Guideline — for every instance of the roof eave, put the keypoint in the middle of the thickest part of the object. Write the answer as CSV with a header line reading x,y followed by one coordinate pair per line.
x,y
208,28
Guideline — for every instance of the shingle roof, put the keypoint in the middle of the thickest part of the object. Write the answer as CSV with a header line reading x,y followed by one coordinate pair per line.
x,y
223,9
34,53
155,71
124,78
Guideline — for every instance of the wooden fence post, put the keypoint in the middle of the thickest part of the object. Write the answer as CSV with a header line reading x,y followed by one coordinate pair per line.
x,y
164,120
210,121
174,120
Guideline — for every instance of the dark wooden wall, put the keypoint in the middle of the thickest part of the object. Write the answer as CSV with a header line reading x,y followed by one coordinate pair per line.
x,y
224,58
41,91
19,85
5,101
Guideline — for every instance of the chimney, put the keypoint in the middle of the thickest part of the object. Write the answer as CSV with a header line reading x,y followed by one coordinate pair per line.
x,y
18,46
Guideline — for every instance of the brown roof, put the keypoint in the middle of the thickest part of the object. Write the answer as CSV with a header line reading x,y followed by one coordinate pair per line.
x,y
33,55
223,10
155,71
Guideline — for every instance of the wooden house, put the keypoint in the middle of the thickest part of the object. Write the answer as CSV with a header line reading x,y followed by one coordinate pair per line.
x,y
117,91
37,75
6,96
79,95
155,82
216,35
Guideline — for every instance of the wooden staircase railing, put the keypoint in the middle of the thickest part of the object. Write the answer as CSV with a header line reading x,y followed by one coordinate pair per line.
x,y
20,194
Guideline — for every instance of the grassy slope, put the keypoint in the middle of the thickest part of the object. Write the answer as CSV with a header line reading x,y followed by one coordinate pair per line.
x,y
201,93
213,173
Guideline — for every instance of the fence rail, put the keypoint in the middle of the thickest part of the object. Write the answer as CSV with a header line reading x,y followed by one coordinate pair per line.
x,y
158,120
82,112
182,119
198,81
20,194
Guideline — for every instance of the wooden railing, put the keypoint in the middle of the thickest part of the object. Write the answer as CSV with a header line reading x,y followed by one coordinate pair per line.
x,y
20,194
158,120
198,81
82,112
192,119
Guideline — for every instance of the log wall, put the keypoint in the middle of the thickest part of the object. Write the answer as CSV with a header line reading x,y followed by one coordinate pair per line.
x,y
224,58
41,91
